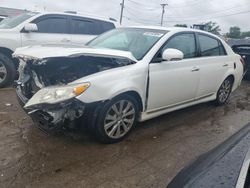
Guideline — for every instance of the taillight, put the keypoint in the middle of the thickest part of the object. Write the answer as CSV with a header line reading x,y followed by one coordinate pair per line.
x,y
242,61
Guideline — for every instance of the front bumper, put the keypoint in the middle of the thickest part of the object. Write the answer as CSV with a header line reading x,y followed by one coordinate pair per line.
x,y
49,117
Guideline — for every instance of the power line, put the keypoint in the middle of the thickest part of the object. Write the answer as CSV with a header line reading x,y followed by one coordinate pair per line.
x,y
208,14
178,19
138,20
188,5
142,21
192,1
135,16
143,9
143,4
214,17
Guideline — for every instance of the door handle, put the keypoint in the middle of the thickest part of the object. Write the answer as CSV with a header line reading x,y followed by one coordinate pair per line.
x,y
195,69
225,65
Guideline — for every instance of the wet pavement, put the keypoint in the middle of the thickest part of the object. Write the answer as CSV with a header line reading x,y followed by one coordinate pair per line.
x,y
150,157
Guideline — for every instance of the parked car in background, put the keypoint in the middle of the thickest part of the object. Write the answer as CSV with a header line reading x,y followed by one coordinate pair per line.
x,y
244,51
43,28
124,76
2,17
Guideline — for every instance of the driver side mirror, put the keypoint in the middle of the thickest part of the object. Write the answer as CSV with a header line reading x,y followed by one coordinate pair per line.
x,y
172,54
30,27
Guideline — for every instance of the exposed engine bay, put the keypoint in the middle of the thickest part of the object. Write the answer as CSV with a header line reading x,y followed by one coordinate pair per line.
x,y
36,74
63,70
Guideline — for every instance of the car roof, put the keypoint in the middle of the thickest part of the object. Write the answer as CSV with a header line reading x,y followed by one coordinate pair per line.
x,y
164,28
174,29
68,13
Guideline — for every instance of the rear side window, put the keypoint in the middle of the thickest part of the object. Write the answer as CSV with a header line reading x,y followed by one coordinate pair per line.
x,y
210,46
84,27
183,42
90,26
52,25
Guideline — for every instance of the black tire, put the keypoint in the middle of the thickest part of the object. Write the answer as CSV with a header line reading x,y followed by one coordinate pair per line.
x,y
247,76
9,77
99,130
224,91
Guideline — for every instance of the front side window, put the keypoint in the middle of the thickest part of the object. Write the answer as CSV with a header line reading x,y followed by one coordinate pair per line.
x,y
210,46
52,25
183,42
138,41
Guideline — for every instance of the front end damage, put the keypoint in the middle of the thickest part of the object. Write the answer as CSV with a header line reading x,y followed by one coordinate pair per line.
x,y
49,118
45,88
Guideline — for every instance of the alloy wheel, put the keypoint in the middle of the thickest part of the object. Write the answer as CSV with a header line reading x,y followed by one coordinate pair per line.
x,y
3,72
224,91
119,119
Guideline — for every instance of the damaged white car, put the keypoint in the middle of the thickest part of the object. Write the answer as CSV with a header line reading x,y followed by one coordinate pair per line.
x,y
124,76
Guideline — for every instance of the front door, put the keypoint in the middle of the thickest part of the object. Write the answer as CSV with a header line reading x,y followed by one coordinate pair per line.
x,y
52,29
174,82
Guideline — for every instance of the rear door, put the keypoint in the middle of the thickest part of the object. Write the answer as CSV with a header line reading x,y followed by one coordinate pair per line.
x,y
52,29
214,63
85,29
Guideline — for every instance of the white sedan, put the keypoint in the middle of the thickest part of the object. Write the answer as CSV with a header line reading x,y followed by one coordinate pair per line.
x,y
123,76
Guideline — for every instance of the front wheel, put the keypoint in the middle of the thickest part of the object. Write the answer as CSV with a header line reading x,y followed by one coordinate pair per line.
x,y
7,71
116,119
224,91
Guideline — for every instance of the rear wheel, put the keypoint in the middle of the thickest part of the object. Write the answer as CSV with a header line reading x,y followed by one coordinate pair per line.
x,y
224,91
7,71
116,119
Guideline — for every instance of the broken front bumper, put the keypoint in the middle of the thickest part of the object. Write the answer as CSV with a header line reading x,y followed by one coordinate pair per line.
x,y
49,117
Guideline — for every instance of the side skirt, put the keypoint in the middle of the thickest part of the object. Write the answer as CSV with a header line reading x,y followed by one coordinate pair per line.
x,y
158,112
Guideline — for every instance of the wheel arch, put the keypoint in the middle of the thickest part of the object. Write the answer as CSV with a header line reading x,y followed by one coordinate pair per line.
x,y
8,52
135,95
227,75
231,76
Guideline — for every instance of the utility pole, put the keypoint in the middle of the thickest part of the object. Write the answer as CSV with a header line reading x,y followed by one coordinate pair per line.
x,y
163,12
122,8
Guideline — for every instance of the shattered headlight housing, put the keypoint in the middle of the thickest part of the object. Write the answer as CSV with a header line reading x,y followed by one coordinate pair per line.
x,y
57,94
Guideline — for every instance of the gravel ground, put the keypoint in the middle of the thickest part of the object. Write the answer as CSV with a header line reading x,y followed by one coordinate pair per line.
x,y
150,157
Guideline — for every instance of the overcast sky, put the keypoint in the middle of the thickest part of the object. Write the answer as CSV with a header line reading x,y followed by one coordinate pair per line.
x,y
225,12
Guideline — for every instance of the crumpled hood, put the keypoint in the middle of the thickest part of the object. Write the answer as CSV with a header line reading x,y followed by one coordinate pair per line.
x,y
47,51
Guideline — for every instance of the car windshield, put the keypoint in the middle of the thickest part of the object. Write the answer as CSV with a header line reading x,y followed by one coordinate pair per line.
x,y
138,41
9,23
